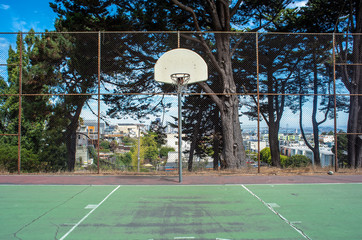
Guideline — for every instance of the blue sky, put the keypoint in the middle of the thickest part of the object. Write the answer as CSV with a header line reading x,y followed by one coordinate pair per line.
x,y
22,15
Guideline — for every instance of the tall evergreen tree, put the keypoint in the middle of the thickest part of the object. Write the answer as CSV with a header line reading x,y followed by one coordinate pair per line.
x,y
342,17
220,16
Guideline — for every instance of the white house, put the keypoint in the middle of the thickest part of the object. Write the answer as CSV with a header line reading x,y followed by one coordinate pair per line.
x,y
326,155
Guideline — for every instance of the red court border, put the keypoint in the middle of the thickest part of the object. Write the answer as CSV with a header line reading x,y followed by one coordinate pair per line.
x,y
173,180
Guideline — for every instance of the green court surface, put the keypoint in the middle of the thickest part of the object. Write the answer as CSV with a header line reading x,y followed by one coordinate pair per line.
x,y
299,211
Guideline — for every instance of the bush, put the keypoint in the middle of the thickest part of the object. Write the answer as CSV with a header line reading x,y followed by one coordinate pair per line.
x,y
9,159
283,161
265,156
164,151
296,161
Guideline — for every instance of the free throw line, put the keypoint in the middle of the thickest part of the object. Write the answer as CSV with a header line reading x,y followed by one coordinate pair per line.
x,y
278,214
85,217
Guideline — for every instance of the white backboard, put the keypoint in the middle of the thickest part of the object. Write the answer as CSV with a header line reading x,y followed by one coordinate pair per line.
x,y
181,61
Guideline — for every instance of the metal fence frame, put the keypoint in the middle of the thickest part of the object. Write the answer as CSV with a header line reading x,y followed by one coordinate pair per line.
x,y
98,94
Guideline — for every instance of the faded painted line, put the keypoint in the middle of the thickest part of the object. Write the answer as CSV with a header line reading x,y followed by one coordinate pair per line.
x,y
184,238
278,214
273,205
91,206
85,217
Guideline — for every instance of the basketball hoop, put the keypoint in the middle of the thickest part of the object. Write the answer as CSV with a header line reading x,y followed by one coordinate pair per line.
x,y
180,67
180,80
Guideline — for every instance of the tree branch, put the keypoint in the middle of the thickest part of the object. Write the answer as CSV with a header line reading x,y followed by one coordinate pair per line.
x,y
190,10
215,16
212,95
235,8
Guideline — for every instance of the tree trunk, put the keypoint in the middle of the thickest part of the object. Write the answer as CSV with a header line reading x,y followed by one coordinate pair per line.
x,y
273,125
353,127
315,149
216,155
71,142
71,133
274,144
195,137
233,149
217,137
355,113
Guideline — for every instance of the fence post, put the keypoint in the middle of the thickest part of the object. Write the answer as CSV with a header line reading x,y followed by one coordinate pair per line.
x,y
99,95
178,39
258,94
335,106
20,98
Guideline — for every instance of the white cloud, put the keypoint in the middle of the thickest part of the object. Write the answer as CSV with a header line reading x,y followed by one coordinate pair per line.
x,y
298,4
4,6
19,25
4,43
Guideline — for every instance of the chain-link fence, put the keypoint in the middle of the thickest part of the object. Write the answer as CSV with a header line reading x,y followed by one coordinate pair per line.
x,y
89,102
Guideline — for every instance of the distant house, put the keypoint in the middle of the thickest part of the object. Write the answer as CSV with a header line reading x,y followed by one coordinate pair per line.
x,y
252,145
127,129
326,155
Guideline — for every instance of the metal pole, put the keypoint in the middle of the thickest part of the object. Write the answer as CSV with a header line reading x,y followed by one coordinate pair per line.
x,y
178,39
179,133
139,147
20,97
335,107
258,95
99,94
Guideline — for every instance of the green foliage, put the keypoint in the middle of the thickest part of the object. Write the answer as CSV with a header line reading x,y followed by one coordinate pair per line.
x,y
105,145
127,141
283,161
9,159
165,150
150,150
265,156
295,161
159,133
124,159
342,146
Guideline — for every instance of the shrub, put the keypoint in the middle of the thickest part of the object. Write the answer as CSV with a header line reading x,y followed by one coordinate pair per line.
x,y
283,161
265,156
296,161
9,159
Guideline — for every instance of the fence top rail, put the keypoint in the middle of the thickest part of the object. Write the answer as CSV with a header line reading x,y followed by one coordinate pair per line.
x,y
182,32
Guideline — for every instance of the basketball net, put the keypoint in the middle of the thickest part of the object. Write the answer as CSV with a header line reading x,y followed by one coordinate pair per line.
x,y
180,80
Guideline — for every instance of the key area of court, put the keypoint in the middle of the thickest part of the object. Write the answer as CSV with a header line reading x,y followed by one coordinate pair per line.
x,y
235,211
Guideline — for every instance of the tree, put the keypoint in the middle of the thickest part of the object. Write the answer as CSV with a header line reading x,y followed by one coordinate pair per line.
x,y
279,58
342,145
188,15
220,16
148,150
343,17
159,133
315,72
39,136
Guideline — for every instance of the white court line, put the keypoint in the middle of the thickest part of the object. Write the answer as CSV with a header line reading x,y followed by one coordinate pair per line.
x,y
278,214
85,217
184,238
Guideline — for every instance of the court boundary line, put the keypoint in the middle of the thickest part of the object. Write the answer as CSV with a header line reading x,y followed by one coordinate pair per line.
x,y
183,185
86,216
277,213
